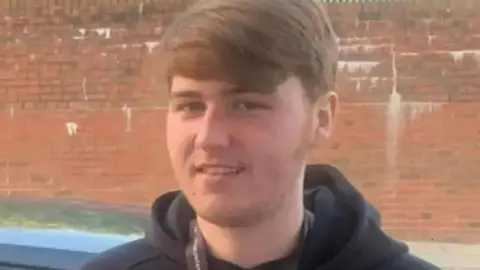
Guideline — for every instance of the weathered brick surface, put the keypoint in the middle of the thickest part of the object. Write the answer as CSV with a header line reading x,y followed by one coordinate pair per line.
x,y
414,154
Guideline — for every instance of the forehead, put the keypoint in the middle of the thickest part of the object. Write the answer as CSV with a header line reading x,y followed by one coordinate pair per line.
x,y
184,87
179,84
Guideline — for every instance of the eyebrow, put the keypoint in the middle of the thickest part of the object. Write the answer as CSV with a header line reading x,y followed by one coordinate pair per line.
x,y
185,94
188,93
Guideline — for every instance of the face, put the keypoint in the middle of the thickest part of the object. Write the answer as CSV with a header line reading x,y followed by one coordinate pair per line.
x,y
239,156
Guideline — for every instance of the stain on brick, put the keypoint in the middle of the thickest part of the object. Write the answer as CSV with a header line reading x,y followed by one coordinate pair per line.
x,y
410,176
19,164
348,123
475,225
41,178
369,185
426,216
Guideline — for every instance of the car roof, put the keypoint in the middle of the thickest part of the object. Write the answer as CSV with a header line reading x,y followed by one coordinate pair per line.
x,y
63,233
72,215
63,239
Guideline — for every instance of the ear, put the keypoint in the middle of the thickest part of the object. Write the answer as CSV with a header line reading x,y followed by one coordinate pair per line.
x,y
325,110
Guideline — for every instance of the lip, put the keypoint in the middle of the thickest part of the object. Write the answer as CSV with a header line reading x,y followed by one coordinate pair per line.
x,y
218,172
218,169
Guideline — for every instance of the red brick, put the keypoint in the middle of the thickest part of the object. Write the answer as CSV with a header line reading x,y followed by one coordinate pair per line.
x,y
431,185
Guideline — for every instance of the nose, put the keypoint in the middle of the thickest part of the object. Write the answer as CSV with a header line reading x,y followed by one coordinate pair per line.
x,y
212,131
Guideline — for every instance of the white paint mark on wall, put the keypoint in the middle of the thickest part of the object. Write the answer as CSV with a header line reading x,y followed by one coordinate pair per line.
x,y
140,8
72,128
394,117
84,88
409,54
394,125
101,32
128,116
358,85
397,114
458,56
360,47
357,66
352,39
415,110
349,48
151,45
430,39
125,46
369,78
104,32
82,32
373,83
11,111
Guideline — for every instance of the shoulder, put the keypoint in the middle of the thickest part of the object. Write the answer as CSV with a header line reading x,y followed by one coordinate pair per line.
x,y
406,261
135,255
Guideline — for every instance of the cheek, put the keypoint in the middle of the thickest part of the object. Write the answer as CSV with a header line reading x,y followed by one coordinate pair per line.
x,y
285,136
274,148
177,143
176,140
171,140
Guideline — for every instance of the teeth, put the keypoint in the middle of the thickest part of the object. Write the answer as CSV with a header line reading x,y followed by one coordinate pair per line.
x,y
219,170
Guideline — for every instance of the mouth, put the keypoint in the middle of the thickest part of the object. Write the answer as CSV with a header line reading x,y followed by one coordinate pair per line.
x,y
219,170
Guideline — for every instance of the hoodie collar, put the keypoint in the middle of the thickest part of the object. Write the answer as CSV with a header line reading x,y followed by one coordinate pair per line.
x,y
340,209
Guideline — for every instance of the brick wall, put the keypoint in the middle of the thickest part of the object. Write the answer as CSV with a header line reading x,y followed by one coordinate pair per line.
x,y
80,121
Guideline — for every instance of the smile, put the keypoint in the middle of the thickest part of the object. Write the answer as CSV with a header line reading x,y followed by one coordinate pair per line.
x,y
220,170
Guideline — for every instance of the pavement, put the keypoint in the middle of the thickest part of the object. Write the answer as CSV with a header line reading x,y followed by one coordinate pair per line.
x,y
448,256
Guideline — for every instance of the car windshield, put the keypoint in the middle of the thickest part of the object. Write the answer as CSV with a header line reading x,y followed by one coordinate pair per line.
x,y
83,116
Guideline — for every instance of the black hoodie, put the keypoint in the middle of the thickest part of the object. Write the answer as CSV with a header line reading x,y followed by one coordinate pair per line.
x,y
345,233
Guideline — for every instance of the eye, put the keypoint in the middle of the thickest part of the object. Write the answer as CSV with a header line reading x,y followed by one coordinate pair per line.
x,y
189,107
248,105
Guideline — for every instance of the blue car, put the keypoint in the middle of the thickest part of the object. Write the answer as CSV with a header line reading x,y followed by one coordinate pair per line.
x,y
62,235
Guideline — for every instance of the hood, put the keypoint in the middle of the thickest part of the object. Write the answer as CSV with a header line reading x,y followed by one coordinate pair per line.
x,y
345,233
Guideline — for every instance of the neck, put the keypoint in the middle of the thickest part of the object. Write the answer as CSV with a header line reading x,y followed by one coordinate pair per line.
x,y
272,238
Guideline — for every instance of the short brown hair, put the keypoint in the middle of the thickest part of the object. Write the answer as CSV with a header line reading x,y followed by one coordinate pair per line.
x,y
255,44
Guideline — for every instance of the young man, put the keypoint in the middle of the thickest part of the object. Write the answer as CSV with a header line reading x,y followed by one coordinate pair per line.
x,y
250,94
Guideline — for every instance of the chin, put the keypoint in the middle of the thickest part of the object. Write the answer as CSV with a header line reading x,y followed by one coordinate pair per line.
x,y
223,213
226,220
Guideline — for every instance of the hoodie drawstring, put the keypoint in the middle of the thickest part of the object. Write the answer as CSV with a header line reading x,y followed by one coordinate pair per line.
x,y
196,251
